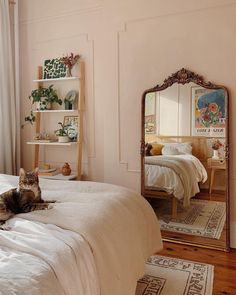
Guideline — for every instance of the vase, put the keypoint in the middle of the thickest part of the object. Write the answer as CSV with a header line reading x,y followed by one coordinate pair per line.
x,y
68,105
68,71
40,106
215,154
66,170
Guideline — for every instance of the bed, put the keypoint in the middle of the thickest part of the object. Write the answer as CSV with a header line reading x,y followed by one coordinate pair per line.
x,y
94,241
175,174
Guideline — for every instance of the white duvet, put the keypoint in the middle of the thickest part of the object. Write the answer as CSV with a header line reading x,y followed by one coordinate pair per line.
x,y
95,240
182,184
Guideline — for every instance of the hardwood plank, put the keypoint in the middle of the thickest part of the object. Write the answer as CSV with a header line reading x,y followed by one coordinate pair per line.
x,y
225,264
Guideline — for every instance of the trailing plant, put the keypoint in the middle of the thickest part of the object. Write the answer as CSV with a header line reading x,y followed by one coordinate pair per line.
x,y
43,96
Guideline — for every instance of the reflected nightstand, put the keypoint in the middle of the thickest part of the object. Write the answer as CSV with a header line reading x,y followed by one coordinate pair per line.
x,y
214,165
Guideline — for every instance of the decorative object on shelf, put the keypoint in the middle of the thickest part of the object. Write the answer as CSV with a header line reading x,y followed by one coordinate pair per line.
x,y
43,98
69,99
216,145
43,137
54,68
48,172
72,126
66,170
61,133
38,136
69,61
46,166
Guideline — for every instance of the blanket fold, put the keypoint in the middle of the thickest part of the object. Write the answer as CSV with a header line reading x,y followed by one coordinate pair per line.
x,y
188,168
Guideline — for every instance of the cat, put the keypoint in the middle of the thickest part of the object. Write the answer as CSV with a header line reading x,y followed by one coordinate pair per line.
x,y
24,199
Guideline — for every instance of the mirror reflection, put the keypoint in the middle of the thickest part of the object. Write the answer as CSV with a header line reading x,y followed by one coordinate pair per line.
x,y
185,162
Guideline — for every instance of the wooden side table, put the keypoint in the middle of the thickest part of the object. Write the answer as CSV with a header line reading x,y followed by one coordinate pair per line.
x,y
214,165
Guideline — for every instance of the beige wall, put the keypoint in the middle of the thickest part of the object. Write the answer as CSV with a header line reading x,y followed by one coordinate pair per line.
x,y
128,46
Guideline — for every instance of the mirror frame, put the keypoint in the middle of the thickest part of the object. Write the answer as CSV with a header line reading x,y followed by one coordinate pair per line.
x,y
185,76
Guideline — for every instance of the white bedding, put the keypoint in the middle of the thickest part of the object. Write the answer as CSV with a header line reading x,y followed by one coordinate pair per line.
x,y
183,184
95,240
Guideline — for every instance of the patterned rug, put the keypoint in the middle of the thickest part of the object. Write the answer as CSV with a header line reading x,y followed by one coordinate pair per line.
x,y
201,218
171,276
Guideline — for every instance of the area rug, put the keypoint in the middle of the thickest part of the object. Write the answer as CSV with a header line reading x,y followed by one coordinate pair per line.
x,y
171,276
202,218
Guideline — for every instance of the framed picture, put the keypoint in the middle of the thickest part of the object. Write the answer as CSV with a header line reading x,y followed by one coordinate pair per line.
x,y
72,126
150,113
53,68
208,112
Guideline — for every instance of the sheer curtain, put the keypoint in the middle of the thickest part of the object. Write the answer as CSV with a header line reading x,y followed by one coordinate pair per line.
x,y
9,102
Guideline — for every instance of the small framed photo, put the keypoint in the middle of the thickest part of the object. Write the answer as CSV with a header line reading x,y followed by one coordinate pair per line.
x,y
53,68
72,126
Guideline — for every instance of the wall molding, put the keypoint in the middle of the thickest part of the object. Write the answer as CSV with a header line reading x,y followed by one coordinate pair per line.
x,y
70,13
121,162
123,28
189,11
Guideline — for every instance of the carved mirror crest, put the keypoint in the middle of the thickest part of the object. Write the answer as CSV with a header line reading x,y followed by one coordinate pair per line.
x,y
184,157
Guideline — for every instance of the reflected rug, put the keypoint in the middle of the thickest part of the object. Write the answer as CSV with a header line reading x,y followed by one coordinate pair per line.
x,y
172,276
202,218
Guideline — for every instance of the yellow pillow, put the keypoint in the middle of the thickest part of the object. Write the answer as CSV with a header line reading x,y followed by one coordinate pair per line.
x,y
156,149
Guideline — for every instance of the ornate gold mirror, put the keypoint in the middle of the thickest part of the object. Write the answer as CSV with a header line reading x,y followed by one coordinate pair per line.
x,y
184,149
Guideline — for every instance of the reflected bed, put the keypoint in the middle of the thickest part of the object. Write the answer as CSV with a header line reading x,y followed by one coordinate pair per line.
x,y
175,174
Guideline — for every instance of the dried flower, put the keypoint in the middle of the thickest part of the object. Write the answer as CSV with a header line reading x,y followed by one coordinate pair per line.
x,y
70,60
216,144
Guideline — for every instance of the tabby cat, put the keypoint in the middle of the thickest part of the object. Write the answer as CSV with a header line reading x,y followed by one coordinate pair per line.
x,y
24,199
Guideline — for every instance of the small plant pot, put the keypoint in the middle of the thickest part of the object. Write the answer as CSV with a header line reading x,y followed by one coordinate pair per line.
x,y
40,106
63,139
68,105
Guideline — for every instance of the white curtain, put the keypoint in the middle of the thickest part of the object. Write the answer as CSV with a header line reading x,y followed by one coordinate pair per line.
x,y
9,107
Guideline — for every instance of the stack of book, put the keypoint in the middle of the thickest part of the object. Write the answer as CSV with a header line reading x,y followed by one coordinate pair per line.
x,y
48,172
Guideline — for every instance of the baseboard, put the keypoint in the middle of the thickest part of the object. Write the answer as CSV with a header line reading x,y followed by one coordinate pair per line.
x,y
233,234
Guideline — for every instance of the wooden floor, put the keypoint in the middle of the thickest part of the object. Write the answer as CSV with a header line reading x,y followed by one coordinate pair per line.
x,y
225,264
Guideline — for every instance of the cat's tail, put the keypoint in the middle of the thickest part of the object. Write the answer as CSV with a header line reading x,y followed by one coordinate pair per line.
x,y
12,202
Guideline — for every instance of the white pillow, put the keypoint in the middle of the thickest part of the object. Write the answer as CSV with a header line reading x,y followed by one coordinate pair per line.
x,y
168,150
183,148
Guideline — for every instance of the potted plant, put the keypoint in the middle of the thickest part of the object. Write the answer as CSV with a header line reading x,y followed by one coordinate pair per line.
x,y
61,133
43,98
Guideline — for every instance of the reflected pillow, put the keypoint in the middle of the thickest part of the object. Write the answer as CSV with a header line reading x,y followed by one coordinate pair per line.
x,y
156,149
184,148
169,150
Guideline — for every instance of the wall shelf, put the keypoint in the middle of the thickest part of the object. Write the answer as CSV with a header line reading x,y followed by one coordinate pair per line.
x,y
34,142
80,80
56,79
61,177
56,111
